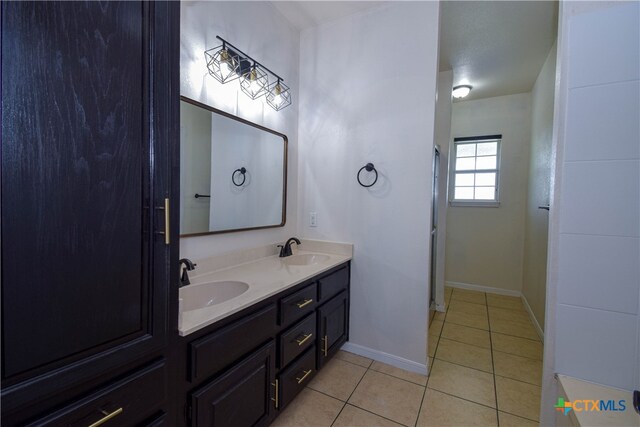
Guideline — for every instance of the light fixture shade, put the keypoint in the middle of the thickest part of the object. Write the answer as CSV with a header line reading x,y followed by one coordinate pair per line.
x,y
279,96
223,64
254,82
461,91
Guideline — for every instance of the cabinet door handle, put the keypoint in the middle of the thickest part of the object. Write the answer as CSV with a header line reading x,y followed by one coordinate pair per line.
x,y
305,339
326,345
167,221
276,400
304,303
306,374
107,417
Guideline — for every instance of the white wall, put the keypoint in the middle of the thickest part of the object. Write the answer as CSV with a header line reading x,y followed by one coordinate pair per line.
x,y
592,322
442,138
485,245
368,95
262,32
534,273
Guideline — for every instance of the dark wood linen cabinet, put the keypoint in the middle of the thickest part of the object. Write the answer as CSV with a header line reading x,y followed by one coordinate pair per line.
x,y
90,100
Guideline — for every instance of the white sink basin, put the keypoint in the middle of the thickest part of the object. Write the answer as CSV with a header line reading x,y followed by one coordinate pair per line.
x,y
204,295
305,259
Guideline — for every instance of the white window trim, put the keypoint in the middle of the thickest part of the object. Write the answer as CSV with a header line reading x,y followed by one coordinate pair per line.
x,y
452,175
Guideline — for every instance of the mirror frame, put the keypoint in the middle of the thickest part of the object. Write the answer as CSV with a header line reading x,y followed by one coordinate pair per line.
x,y
284,172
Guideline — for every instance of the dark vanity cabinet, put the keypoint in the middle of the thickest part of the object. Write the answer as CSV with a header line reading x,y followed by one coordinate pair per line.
x,y
243,370
241,396
89,246
333,326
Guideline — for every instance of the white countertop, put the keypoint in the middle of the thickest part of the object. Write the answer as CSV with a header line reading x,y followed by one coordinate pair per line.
x,y
265,276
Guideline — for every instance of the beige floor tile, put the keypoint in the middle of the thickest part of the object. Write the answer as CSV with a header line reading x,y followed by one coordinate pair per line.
x,y
338,379
390,397
508,420
508,314
468,307
432,344
466,335
435,327
356,417
467,383
468,296
504,301
466,319
464,354
518,367
517,329
514,345
440,315
309,409
442,410
518,398
448,290
354,358
399,373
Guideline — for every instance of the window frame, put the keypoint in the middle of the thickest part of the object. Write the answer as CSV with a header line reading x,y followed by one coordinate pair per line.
x,y
452,177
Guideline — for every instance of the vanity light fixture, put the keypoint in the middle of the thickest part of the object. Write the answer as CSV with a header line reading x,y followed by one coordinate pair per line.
x,y
254,82
461,91
227,63
223,63
279,95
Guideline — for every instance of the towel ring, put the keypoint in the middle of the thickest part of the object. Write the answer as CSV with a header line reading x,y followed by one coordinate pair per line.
x,y
243,172
368,167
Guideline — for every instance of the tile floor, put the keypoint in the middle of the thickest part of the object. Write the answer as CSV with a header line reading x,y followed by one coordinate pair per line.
x,y
486,368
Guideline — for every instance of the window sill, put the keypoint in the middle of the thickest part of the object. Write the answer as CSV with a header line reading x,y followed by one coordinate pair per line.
x,y
474,204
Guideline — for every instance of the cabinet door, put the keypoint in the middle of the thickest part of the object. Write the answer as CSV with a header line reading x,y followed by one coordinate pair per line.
x,y
242,396
333,326
88,117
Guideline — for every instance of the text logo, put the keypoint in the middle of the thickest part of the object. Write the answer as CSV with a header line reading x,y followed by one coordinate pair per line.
x,y
588,405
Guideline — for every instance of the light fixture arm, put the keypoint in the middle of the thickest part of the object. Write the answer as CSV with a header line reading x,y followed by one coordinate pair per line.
x,y
224,43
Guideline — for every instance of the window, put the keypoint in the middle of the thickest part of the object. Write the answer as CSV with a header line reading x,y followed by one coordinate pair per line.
x,y
476,171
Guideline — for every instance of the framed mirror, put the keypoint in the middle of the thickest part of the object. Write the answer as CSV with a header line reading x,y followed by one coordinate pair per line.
x,y
233,173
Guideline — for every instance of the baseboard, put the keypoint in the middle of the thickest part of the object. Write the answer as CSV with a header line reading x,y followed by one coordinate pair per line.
x,y
482,288
438,307
389,359
536,325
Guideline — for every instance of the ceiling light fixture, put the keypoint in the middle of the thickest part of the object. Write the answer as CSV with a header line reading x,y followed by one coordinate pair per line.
x,y
227,63
461,91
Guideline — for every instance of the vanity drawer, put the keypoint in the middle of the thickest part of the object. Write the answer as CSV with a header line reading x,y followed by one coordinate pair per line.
x,y
298,304
297,339
219,349
333,283
125,402
297,376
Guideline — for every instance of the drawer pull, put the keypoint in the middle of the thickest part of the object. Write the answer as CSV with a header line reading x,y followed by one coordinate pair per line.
x,y
306,374
304,340
107,417
304,303
276,399
326,345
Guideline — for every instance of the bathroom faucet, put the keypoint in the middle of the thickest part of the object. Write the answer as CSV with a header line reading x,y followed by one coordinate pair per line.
x,y
188,266
285,250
